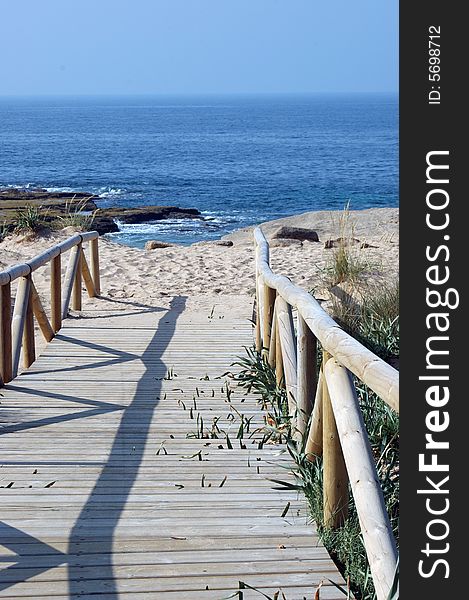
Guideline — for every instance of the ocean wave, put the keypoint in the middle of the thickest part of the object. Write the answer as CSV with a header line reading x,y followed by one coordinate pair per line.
x,y
60,189
109,192
19,186
166,226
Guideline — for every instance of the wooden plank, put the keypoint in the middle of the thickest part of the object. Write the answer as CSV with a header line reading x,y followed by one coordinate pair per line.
x,y
83,432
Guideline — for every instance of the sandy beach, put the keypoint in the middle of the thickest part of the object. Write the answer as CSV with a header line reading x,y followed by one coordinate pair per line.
x,y
211,268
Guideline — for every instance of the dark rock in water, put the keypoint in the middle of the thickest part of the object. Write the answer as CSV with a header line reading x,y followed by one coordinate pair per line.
x,y
147,214
57,204
14,198
104,225
296,233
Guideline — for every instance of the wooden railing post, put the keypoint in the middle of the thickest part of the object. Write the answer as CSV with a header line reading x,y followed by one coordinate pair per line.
x,y
382,378
306,373
18,321
56,293
279,375
29,345
288,350
335,488
5,333
273,338
374,521
40,314
268,309
95,265
17,331
70,279
76,294
258,333
87,277
314,445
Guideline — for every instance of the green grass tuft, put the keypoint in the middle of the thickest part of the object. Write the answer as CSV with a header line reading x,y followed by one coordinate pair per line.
x,y
29,219
346,543
75,215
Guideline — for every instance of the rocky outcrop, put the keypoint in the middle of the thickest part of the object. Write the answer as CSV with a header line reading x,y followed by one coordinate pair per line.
x,y
296,233
55,205
104,224
148,214
15,198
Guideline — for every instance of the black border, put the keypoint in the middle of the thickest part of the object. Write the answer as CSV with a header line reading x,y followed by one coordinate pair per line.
x,y
424,128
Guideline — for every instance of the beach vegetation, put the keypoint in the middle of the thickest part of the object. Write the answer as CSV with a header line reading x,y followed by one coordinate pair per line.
x,y
372,317
76,216
345,544
4,231
31,219
347,262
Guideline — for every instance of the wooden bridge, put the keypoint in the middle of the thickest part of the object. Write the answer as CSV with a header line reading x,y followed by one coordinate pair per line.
x,y
131,466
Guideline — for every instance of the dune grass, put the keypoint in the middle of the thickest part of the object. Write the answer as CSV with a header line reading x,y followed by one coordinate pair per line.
x,y
347,263
345,544
29,219
371,315
75,215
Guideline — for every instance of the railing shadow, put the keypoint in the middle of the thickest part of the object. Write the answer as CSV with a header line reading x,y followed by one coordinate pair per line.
x,y
85,524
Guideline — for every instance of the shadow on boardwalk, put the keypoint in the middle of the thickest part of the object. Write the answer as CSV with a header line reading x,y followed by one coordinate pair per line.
x,y
23,545
85,523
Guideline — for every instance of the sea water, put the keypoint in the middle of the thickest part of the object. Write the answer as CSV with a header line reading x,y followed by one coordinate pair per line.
x,y
238,159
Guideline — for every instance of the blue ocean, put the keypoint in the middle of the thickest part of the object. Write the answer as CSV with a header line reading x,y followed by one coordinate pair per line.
x,y
238,159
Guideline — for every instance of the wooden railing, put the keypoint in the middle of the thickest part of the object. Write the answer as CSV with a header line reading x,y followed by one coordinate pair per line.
x,y
17,327
325,408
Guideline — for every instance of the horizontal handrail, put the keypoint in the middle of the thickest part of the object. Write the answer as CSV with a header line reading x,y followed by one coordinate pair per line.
x,y
25,269
372,370
361,469
323,406
17,326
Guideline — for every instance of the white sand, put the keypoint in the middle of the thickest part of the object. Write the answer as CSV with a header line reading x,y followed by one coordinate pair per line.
x,y
208,268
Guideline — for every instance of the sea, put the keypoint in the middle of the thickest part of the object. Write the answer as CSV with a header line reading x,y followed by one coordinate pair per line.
x,y
240,160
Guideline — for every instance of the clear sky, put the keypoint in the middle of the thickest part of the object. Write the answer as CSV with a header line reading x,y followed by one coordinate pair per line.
x,y
197,46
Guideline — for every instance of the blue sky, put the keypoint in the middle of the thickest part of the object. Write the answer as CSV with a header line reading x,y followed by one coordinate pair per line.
x,y
198,46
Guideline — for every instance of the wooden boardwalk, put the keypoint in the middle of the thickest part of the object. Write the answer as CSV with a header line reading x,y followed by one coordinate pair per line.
x,y
104,493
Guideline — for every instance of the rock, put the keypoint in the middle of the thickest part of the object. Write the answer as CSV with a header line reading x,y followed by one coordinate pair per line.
x,y
284,243
227,243
296,233
14,198
104,225
147,214
154,244
346,242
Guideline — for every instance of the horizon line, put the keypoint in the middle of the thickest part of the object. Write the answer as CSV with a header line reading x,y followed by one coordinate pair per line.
x,y
198,94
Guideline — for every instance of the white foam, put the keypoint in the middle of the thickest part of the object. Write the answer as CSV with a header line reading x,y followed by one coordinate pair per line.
x,y
108,192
